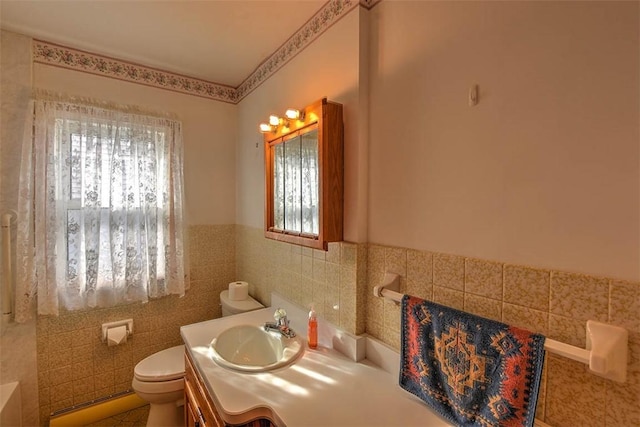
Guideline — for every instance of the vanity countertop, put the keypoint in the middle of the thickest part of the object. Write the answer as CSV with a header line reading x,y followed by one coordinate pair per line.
x,y
322,388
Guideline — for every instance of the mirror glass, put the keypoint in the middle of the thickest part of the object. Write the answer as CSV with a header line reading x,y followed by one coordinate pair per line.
x,y
295,184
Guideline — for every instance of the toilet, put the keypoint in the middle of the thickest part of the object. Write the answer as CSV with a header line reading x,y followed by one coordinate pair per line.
x,y
231,307
159,378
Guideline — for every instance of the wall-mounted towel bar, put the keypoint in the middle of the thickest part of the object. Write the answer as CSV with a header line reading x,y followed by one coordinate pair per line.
x,y
7,275
606,352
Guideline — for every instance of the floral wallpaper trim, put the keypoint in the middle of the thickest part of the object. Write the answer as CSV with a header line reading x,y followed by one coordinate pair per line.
x,y
321,21
78,60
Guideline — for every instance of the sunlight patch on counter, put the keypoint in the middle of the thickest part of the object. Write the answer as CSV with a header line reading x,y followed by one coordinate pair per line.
x,y
283,384
313,374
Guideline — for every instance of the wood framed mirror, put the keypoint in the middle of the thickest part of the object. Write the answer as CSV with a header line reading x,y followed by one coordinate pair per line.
x,y
304,177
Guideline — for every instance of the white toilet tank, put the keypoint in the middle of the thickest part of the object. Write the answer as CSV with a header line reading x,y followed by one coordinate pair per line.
x,y
230,307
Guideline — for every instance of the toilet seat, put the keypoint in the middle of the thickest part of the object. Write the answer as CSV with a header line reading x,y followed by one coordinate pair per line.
x,y
163,366
157,387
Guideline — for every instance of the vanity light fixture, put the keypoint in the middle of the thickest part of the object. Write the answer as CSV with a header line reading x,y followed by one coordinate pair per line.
x,y
294,114
275,122
272,126
278,121
266,127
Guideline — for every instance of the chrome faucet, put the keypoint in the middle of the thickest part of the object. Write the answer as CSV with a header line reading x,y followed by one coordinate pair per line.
x,y
281,324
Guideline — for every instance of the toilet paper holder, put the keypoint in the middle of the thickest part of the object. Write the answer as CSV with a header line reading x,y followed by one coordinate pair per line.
x,y
106,326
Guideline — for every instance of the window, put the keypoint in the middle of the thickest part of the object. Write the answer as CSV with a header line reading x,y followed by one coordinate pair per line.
x,y
107,187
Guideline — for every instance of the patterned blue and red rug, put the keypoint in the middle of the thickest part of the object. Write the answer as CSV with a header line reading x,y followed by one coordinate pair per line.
x,y
471,370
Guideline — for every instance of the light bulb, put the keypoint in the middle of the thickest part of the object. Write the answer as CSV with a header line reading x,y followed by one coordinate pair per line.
x,y
292,114
265,127
274,120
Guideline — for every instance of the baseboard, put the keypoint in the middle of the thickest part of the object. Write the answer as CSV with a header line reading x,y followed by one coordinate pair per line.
x,y
88,414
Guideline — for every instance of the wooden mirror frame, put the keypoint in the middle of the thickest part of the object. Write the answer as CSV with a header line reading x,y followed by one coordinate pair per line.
x,y
328,117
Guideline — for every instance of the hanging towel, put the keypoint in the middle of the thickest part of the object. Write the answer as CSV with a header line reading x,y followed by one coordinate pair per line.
x,y
471,370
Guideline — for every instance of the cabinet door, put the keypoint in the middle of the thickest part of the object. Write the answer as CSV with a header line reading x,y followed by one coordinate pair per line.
x,y
193,413
198,407
191,418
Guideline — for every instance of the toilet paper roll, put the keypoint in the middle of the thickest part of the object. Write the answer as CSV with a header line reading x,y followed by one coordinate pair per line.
x,y
238,291
117,335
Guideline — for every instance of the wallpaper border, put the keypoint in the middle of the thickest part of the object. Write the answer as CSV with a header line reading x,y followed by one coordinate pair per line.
x,y
78,60
54,54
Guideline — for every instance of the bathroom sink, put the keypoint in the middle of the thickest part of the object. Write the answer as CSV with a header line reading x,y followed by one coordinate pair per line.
x,y
250,348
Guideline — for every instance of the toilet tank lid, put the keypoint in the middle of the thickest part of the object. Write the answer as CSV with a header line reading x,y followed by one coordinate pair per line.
x,y
164,365
248,304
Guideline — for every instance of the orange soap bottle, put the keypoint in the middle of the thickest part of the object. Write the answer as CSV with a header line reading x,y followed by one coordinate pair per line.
x,y
312,331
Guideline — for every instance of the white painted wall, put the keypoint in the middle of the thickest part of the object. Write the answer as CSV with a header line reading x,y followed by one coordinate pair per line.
x,y
329,67
545,170
209,134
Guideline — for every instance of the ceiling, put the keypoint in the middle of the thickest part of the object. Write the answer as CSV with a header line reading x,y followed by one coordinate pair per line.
x,y
221,41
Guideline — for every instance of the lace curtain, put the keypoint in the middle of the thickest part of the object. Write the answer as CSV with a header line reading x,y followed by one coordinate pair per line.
x,y
100,218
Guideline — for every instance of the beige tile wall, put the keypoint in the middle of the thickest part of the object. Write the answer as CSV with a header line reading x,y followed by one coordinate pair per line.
x,y
333,281
556,304
75,366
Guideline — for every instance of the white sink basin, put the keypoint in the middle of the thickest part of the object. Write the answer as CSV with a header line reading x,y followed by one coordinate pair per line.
x,y
250,348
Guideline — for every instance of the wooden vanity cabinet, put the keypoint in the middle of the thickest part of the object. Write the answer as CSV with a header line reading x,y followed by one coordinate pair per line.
x,y
199,411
